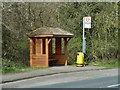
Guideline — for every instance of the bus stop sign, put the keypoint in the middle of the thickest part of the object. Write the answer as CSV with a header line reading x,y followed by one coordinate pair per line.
x,y
87,22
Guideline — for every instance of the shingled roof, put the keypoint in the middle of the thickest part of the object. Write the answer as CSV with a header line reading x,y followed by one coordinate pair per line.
x,y
49,32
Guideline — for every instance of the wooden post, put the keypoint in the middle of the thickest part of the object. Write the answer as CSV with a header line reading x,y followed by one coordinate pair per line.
x,y
57,45
47,62
50,49
31,51
65,43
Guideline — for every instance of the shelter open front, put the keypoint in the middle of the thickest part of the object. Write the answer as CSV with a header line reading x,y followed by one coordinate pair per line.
x,y
41,48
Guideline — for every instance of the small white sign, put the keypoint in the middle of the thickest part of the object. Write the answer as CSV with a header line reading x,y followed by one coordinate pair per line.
x,y
87,22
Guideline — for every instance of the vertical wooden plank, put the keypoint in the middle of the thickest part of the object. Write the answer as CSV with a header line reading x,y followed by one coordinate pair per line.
x,y
31,51
65,43
47,62
41,46
38,46
57,45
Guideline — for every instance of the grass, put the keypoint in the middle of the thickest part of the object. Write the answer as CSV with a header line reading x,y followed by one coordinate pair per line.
x,y
105,64
14,69
19,69
102,64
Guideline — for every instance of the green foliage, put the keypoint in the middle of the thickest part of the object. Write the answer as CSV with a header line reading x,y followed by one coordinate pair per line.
x,y
101,39
7,63
15,48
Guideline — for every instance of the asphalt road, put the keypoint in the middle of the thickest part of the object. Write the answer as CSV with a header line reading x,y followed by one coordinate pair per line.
x,y
86,79
105,82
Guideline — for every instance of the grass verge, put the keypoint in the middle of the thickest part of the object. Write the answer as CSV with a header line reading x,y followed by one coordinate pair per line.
x,y
105,64
19,69
102,64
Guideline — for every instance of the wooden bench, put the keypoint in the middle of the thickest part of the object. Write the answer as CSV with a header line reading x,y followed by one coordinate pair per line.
x,y
52,60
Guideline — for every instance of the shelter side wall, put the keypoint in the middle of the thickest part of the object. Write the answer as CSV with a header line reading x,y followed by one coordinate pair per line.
x,y
39,61
60,59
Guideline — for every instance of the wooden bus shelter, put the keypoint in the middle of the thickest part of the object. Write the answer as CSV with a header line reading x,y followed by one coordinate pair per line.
x,y
41,45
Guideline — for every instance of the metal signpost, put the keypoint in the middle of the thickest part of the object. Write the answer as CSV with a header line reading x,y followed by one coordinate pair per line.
x,y
86,24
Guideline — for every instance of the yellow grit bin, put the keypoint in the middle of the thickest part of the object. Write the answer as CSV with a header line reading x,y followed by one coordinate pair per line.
x,y
79,62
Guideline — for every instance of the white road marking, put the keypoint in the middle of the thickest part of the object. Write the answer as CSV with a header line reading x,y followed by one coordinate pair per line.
x,y
113,85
